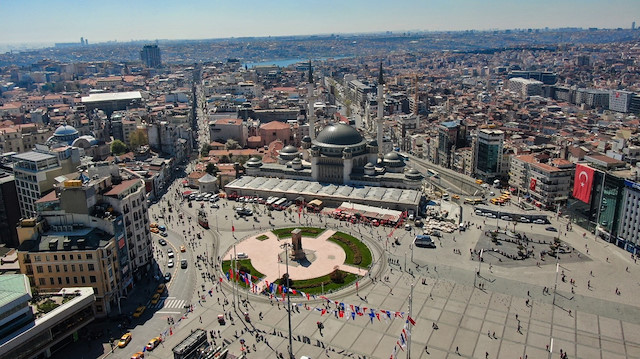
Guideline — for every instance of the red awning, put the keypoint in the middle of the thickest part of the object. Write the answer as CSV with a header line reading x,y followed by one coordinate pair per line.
x,y
185,182
186,193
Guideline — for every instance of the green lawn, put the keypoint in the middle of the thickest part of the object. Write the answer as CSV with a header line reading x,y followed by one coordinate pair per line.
x,y
357,252
242,263
315,285
306,232
262,237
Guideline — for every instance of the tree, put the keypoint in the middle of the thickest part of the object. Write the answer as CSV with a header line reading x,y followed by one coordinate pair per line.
x,y
138,138
211,169
205,149
231,144
118,147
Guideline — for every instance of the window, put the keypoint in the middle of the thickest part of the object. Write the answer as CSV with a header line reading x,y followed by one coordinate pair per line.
x,y
51,281
60,280
37,258
67,280
89,256
64,257
73,267
39,269
81,267
91,267
55,257
49,269
41,281
75,280
64,266
83,280
70,257
79,256
57,268
92,279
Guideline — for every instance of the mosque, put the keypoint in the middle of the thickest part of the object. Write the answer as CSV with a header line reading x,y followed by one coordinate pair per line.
x,y
67,135
339,154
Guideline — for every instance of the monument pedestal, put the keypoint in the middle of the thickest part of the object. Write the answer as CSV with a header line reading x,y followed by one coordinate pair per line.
x,y
296,245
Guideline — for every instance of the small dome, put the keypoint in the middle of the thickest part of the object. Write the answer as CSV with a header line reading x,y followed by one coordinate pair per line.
x,y
65,130
306,139
289,149
369,165
413,174
254,162
392,156
254,159
373,143
339,135
296,160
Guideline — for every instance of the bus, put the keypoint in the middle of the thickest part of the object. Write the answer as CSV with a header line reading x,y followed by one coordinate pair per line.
x,y
473,200
433,173
270,200
279,202
191,346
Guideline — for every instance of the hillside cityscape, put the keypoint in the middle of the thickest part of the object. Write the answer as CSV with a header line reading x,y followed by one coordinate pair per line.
x,y
316,196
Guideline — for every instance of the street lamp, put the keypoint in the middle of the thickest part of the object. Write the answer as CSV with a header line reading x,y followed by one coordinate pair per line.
x,y
286,257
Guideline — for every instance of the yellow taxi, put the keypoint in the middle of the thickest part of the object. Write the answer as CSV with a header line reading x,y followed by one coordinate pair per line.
x,y
155,298
124,340
155,230
183,249
455,196
139,311
153,225
138,355
153,343
161,288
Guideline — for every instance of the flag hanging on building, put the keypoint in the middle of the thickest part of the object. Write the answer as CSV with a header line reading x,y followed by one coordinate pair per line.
x,y
532,184
583,182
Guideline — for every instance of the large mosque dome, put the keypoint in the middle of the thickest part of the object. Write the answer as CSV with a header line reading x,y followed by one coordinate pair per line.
x,y
64,134
339,135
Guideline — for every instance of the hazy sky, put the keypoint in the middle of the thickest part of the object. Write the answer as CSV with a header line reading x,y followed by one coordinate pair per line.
x,y
41,21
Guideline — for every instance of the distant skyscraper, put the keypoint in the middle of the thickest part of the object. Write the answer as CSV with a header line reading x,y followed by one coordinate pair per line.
x,y
633,25
150,56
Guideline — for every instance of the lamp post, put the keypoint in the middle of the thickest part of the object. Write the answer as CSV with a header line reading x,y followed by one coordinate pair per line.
x,y
286,257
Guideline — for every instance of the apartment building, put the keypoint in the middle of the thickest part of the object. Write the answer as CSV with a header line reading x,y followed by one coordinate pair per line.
x,y
546,184
35,173
54,257
228,128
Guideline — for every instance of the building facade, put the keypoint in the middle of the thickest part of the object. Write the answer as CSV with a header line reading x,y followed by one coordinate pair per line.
x,y
488,154
546,185
150,56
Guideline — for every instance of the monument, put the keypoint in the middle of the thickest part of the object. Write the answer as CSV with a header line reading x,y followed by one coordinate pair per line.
x,y
297,253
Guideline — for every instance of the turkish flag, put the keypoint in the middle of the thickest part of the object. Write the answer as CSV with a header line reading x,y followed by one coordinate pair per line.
x,y
532,184
582,183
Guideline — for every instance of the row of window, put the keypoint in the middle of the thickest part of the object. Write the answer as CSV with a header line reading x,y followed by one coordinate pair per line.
x,y
65,268
67,280
38,258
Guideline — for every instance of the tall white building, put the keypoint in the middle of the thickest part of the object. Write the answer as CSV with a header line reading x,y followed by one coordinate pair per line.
x,y
525,87
619,100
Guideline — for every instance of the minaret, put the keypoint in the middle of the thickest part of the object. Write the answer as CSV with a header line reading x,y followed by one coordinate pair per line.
x,y
310,114
380,119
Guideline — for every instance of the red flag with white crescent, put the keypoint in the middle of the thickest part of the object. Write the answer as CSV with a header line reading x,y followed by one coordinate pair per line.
x,y
532,184
583,182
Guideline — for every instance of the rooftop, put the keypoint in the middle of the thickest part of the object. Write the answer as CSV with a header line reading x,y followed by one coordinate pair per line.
x,y
12,287
33,156
112,96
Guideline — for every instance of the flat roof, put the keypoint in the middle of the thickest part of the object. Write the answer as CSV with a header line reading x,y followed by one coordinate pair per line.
x,y
112,96
344,193
12,287
33,156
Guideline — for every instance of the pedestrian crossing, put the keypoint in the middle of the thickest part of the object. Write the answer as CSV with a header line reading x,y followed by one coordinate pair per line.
x,y
169,303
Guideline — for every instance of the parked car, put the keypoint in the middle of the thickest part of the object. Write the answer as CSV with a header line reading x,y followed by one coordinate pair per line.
x,y
539,221
162,242
138,355
170,263
167,276
183,264
139,311
525,220
242,255
164,234
170,253
551,229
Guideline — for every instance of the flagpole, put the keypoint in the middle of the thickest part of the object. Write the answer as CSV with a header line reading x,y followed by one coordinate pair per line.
x,y
235,271
409,326
599,205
